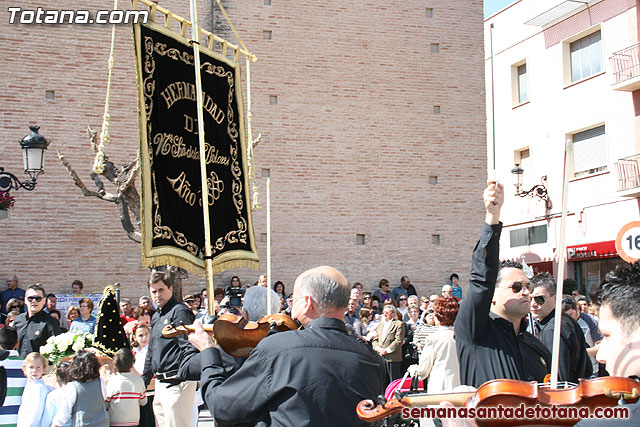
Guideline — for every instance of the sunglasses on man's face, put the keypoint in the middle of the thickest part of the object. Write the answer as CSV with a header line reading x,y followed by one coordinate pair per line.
x,y
540,300
35,298
517,287
14,307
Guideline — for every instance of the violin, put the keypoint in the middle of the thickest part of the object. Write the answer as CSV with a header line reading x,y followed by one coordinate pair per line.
x,y
593,393
235,334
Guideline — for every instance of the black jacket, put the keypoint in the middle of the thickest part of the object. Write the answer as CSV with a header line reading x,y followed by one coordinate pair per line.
x,y
488,347
573,361
166,354
34,331
310,377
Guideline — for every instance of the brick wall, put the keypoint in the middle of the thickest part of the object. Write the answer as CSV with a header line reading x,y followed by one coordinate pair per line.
x,y
351,142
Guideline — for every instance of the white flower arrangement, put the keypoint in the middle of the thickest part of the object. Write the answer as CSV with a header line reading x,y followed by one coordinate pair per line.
x,y
64,345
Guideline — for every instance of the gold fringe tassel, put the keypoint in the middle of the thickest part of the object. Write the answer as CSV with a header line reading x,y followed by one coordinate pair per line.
x,y
162,260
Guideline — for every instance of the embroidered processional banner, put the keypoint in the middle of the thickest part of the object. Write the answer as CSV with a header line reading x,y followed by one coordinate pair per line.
x,y
172,219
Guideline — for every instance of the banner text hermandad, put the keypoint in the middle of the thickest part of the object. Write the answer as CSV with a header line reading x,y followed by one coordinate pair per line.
x,y
172,218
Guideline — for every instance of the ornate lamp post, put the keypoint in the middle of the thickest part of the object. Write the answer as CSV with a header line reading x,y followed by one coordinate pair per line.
x,y
34,146
539,190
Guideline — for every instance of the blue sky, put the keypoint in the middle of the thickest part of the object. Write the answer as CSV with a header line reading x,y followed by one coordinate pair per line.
x,y
492,6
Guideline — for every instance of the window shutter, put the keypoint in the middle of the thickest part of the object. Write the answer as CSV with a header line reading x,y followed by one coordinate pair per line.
x,y
589,150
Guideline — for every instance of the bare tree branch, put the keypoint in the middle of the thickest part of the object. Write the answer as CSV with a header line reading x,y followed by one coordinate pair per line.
x,y
78,182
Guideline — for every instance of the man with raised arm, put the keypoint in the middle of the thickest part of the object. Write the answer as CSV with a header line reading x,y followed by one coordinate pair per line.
x,y
310,377
490,329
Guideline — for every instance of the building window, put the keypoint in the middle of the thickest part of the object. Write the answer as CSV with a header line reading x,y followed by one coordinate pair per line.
x,y
435,47
429,12
528,236
523,84
266,172
273,99
590,152
263,237
435,239
267,2
267,34
360,239
519,83
436,109
433,179
586,56
50,94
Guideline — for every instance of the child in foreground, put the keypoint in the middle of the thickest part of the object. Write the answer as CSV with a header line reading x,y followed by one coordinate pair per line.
x,y
35,393
56,396
84,401
126,391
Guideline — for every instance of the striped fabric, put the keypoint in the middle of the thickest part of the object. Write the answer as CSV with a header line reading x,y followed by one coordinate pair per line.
x,y
421,333
16,382
125,394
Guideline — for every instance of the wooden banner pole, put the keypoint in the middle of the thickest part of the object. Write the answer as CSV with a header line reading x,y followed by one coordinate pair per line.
x,y
269,244
208,261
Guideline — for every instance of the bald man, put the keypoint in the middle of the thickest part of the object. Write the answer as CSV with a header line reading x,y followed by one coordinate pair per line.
x,y
310,377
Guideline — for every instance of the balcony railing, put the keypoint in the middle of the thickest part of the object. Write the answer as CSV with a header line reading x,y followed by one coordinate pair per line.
x,y
626,64
628,170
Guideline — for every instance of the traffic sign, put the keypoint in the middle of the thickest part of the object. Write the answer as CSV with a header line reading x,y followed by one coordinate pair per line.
x,y
628,242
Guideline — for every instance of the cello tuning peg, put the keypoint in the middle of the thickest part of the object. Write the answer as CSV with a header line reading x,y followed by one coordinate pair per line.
x,y
382,401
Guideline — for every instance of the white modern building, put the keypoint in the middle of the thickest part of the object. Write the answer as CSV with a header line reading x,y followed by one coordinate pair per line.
x,y
558,70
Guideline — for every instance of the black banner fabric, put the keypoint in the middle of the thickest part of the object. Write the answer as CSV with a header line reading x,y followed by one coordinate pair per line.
x,y
173,226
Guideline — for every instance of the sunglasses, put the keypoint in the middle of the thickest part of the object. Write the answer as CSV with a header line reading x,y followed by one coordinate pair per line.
x,y
540,300
517,287
402,299
14,306
35,298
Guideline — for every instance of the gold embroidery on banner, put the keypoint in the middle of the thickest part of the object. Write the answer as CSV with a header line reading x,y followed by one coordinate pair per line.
x,y
216,186
159,231
173,53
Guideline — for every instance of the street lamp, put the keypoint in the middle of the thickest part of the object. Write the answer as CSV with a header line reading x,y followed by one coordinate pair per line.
x,y
34,146
539,190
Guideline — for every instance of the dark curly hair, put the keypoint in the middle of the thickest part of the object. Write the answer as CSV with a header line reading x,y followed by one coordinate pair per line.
x,y
621,292
445,310
84,367
62,372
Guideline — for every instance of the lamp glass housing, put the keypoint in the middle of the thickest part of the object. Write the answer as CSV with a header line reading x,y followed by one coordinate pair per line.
x,y
33,159
516,176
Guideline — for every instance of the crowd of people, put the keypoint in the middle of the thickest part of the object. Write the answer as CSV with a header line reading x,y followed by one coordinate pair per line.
x,y
353,344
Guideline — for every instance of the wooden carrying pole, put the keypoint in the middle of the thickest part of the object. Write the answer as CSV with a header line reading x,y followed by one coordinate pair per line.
x,y
208,261
568,171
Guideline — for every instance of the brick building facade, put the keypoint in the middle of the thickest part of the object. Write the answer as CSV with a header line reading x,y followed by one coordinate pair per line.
x,y
373,124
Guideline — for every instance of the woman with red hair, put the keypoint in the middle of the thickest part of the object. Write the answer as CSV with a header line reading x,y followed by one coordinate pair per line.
x,y
439,359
